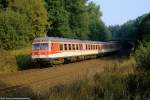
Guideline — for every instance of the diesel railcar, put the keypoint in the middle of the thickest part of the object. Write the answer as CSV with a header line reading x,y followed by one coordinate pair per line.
x,y
48,49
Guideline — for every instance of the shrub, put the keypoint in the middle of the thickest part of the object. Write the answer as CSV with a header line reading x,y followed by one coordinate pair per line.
x,y
142,56
23,61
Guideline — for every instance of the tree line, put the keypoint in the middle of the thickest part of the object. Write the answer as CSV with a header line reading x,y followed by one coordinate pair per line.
x,y
135,30
22,20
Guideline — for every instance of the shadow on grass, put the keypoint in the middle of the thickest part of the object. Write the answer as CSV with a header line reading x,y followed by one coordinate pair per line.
x,y
24,62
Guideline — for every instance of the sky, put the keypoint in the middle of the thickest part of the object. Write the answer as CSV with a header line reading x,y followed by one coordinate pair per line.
x,y
120,11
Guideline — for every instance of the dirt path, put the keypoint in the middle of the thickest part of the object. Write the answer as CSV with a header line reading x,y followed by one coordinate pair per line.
x,y
38,79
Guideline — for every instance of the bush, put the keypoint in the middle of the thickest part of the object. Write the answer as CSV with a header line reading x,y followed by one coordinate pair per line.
x,y
142,56
105,86
15,30
23,61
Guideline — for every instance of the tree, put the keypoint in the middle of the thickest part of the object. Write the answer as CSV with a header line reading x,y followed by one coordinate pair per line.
x,y
35,11
15,30
144,28
4,4
58,18
78,18
98,30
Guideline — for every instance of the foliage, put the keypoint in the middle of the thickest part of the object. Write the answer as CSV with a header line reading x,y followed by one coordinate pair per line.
x,y
106,86
75,19
127,31
35,12
78,19
98,30
58,17
19,19
15,31
142,56
4,4
135,30
144,28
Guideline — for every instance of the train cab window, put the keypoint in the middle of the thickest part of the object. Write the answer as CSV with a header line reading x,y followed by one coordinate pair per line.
x,y
40,46
69,46
65,46
61,46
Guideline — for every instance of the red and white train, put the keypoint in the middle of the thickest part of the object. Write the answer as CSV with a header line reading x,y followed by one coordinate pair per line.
x,y
52,48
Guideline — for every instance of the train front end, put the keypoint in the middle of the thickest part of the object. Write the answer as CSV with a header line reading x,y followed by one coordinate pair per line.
x,y
40,51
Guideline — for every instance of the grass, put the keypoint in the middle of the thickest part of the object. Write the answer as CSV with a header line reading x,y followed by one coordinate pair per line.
x,y
119,81
11,61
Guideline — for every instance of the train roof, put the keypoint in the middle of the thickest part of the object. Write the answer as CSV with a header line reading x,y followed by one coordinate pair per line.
x,y
45,39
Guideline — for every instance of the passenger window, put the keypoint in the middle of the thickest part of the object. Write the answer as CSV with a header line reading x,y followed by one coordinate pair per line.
x,y
80,46
86,47
65,45
77,47
89,47
69,46
73,45
61,47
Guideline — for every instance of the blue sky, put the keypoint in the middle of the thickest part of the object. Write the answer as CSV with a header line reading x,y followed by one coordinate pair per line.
x,y
120,11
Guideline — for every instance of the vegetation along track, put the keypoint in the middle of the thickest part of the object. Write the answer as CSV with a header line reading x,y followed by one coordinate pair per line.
x,y
38,79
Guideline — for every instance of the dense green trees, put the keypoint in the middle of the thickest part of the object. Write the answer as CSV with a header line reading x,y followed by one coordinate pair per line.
x,y
127,31
21,20
58,18
15,30
78,20
98,30
137,29
144,28
4,4
35,11
75,19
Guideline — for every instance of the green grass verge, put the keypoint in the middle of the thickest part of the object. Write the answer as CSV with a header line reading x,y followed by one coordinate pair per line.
x,y
11,61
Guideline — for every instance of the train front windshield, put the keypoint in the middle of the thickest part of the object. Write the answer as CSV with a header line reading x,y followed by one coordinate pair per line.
x,y
40,46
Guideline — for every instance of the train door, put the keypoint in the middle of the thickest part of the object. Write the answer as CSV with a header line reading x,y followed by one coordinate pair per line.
x,y
55,47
